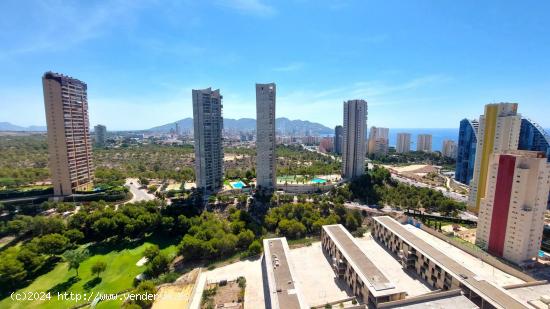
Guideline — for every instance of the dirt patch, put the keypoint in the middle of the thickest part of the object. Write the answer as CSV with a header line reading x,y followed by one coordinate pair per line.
x,y
225,294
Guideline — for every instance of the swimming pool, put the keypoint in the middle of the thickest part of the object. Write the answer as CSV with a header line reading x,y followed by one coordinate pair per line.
x,y
318,180
238,185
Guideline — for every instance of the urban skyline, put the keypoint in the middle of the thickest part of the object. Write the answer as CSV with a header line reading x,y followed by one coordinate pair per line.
x,y
406,79
275,154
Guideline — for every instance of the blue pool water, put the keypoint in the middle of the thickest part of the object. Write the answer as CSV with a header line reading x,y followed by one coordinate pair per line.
x,y
541,253
238,185
318,180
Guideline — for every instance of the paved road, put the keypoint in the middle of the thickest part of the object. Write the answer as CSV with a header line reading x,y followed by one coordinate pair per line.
x,y
138,194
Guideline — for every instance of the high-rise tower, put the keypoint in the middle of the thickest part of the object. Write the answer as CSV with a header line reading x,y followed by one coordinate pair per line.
x,y
511,213
265,136
424,142
403,143
208,125
100,132
69,144
355,130
378,140
498,131
466,150
338,139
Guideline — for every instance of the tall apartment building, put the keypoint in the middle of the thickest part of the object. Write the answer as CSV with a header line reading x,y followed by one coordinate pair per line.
x,y
100,132
208,125
511,213
69,144
178,129
355,129
338,139
326,144
466,150
533,137
378,140
403,143
498,132
449,148
424,142
265,136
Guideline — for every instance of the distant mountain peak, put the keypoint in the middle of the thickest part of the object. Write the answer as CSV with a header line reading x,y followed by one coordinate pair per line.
x,y
7,126
282,124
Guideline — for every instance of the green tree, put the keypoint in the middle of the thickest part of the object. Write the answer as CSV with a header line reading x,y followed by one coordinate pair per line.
x,y
31,259
158,265
75,257
292,228
51,244
255,248
12,272
98,268
75,236
144,294
245,238
151,252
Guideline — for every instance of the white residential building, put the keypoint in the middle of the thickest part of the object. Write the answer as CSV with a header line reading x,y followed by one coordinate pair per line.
x,y
511,214
424,142
403,143
208,125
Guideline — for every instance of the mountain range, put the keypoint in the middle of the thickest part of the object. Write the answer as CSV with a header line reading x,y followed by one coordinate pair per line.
x,y
6,126
282,124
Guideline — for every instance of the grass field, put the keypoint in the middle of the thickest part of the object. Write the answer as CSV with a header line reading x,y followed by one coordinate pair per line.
x,y
119,276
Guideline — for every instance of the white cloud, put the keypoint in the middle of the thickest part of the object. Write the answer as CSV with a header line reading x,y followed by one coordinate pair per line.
x,y
252,7
59,25
294,66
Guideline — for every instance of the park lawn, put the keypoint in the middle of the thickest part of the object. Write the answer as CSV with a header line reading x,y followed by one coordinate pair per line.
x,y
119,276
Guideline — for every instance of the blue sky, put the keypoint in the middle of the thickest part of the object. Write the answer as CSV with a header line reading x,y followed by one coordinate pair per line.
x,y
418,63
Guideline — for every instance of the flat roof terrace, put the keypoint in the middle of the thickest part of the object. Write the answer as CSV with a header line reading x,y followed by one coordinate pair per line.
x,y
283,291
497,297
380,284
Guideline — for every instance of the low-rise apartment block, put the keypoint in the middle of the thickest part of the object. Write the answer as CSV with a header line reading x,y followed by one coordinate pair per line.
x,y
437,268
284,290
367,282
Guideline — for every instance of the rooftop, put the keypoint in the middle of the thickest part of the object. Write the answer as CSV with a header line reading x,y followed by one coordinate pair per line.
x,y
282,285
531,293
497,296
447,299
379,283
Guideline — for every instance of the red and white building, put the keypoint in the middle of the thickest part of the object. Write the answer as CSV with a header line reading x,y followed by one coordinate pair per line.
x,y
511,215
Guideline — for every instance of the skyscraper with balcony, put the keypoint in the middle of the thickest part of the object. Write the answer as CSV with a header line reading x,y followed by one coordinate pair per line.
x,y
265,136
424,142
100,132
511,213
498,132
403,143
69,144
338,139
378,141
208,125
466,150
355,130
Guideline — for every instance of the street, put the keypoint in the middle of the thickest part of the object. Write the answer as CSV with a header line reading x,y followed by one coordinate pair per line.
x,y
138,194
